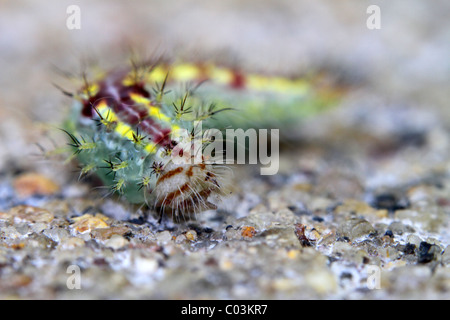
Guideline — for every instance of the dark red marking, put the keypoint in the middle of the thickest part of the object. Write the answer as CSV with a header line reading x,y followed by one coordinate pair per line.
x,y
118,98
171,196
169,174
300,233
238,81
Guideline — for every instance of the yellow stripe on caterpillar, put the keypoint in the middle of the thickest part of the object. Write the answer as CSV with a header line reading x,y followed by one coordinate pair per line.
x,y
185,72
154,111
122,128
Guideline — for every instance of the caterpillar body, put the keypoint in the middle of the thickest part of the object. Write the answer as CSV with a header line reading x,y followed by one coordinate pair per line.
x,y
262,100
124,127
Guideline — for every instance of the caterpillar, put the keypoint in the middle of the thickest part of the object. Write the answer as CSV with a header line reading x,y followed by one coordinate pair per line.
x,y
263,100
126,125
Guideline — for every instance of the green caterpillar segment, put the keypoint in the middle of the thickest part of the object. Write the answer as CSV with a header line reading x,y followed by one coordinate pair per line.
x,y
262,101
129,130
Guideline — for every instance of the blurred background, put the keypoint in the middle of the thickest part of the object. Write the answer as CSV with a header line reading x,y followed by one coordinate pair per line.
x,y
406,60
390,130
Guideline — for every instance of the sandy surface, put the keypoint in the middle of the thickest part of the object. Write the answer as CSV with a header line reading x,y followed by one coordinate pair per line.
x,y
368,180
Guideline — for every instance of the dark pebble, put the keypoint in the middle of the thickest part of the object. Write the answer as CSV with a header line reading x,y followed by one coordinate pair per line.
x,y
409,248
318,219
412,138
346,275
343,239
426,252
389,233
299,211
139,221
389,202
208,230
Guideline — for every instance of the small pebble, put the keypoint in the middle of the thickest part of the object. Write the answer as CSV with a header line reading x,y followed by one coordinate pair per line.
x,y
29,184
88,222
413,239
399,228
57,234
71,243
351,206
106,233
420,193
389,202
248,232
427,252
116,242
321,281
145,265
28,213
163,237
446,256
180,239
191,235
355,229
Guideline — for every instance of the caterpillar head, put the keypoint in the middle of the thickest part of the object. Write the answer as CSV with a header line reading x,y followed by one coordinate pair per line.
x,y
187,187
186,182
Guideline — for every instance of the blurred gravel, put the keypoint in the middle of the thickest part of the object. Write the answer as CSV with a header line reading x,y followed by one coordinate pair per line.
x,y
366,190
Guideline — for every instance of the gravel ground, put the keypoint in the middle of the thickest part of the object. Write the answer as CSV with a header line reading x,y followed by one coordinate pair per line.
x,y
359,210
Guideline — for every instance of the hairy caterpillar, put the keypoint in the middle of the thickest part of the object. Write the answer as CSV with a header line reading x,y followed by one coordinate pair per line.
x,y
262,100
124,126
